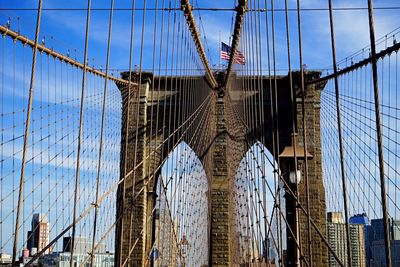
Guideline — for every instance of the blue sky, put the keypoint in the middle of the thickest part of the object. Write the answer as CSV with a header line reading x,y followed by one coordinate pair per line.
x,y
67,28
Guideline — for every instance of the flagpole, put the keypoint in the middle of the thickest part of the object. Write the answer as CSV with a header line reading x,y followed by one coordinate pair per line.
x,y
220,49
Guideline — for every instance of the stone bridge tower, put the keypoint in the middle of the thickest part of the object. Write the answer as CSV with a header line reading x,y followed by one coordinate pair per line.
x,y
220,154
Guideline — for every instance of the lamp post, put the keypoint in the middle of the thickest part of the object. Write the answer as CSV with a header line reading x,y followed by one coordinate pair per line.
x,y
183,249
291,160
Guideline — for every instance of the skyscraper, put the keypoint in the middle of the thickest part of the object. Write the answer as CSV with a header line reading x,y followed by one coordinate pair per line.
x,y
378,258
378,231
335,217
338,241
377,244
396,229
363,219
82,245
39,235
270,252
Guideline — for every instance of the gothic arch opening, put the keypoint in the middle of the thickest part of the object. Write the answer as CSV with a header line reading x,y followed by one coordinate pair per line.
x,y
181,221
256,219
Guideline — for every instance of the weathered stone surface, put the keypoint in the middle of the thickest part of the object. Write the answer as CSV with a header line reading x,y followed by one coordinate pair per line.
x,y
317,205
220,153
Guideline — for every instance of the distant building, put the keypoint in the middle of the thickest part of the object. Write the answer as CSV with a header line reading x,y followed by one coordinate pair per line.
x,y
363,219
62,259
5,259
359,219
376,237
82,245
269,251
338,241
256,252
396,229
335,217
378,258
377,231
24,261
39,235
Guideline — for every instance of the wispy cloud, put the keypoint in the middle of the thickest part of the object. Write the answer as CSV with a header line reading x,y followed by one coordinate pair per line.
x,y
351,28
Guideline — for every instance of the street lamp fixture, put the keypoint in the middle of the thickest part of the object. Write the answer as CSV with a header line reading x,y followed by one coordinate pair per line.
x,y
291,160
292,155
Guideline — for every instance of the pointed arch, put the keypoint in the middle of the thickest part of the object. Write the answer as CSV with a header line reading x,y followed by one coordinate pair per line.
x,y
255,186
181,209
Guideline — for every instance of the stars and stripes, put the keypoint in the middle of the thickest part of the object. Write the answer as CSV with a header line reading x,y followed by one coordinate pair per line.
x,y
239,57
225,51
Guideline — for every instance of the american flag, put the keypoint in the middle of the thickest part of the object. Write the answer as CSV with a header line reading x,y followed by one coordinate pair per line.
x,y
226,51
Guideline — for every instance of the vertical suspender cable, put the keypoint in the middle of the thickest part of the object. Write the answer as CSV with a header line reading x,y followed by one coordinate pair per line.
x,y
138,104
153,135
164,153
158,109
274,152
77,171
102,134
26,136
127,136
303,100
261,120
257,123
294,129
131,247
275,119
2,138
379,133
339,122
253,206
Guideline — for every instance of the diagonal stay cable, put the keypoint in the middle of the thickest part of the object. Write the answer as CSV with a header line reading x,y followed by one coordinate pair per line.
x,y
299,204
43,49
112,188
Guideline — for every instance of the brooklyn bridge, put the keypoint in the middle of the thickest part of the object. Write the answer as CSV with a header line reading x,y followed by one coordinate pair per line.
x,y
218,133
